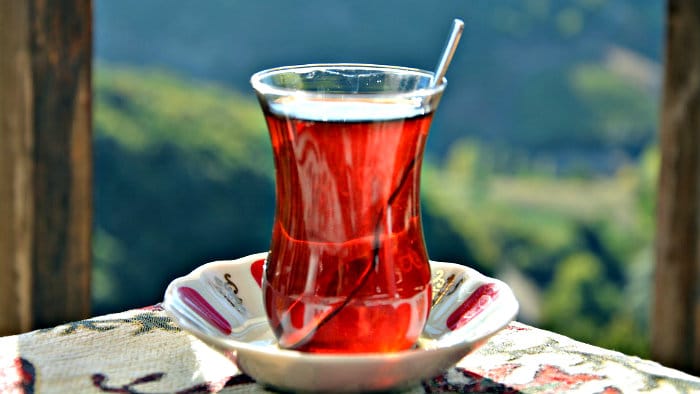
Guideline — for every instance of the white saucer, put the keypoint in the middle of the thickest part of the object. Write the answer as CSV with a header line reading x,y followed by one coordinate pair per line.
x,y
221,303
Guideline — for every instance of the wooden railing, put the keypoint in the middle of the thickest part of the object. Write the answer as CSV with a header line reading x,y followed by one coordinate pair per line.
x,y
45,162
676,313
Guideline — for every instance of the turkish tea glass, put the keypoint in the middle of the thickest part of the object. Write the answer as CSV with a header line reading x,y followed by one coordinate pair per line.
x,y
347,270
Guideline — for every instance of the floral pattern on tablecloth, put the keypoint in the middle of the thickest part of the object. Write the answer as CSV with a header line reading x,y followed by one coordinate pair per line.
x,y
143,351
16,375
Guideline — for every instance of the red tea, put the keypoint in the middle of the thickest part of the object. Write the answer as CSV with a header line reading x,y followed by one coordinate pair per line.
x,y
348,269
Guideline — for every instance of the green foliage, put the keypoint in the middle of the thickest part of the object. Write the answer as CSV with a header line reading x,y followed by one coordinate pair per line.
x,y
217,128
508,48
569,22
183,176
583,242
587,105
543,152
618,111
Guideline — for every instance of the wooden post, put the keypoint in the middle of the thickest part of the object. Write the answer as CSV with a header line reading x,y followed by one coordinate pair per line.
x,y
45,162
16,169
676,310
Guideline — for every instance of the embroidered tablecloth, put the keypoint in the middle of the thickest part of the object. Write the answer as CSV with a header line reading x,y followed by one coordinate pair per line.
x,y
143,351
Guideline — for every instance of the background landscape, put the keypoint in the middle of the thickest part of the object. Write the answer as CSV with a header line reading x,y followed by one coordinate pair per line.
x,y
541,164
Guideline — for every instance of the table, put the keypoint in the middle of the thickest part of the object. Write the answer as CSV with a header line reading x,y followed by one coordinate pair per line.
x,y
144,351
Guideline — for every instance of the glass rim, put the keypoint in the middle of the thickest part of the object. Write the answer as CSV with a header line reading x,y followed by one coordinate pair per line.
x,y
267,89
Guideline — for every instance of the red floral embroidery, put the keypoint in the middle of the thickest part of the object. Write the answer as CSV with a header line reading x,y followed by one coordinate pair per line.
x,y
18,377
611,390
549,374
500,372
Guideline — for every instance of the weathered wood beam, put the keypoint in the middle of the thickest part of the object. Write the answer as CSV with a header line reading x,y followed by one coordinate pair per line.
x,y
676,309
46,164
16,169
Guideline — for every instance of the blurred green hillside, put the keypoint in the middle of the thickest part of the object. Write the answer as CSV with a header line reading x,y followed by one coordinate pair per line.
x,y
183,175
574,80
540,167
